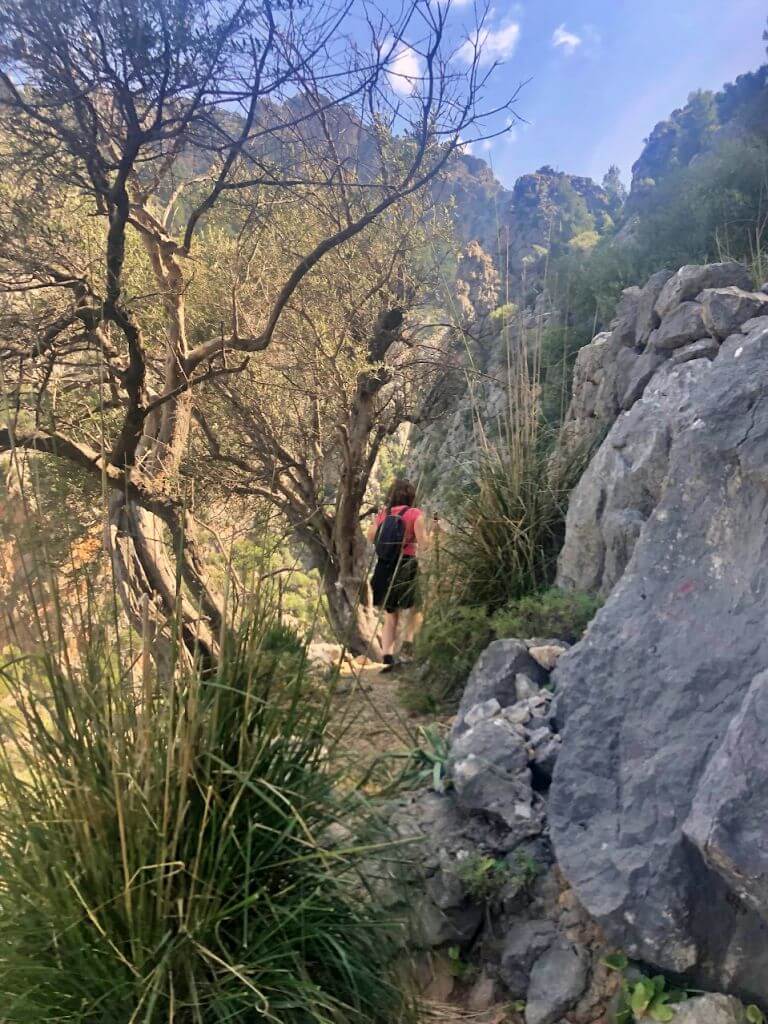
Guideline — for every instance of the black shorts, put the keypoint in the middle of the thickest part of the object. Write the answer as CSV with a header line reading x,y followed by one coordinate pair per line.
x,y
395,585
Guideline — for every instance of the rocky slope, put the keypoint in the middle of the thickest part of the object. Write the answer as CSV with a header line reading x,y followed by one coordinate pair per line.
x,y
629,771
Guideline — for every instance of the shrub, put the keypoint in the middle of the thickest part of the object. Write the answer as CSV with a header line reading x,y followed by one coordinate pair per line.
x,y
450,642
553,613
485,878
164,854
513,524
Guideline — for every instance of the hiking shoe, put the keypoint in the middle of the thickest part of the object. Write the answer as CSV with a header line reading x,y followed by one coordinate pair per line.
x,y
389,663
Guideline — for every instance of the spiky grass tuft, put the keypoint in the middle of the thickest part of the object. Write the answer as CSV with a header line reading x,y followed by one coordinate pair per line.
x,y
169,850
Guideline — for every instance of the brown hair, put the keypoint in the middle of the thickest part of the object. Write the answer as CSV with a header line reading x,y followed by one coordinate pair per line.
x,y
402,492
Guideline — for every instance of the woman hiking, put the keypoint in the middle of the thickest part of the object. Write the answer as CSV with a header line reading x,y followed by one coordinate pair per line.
x,y
399,534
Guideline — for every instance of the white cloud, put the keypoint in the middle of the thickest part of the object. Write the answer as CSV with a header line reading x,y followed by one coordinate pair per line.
x,y
494,44
487,145
404,70
462,3
569,41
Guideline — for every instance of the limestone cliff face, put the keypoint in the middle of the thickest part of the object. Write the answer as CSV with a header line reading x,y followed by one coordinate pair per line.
x,y
551,208
659,801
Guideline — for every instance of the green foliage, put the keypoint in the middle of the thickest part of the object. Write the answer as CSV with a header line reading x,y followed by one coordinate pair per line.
x,y
280,639
754,1014
485,877
505,314
563,614
614,186
711,209
165,858
431,756
459,967
641,997
423,765
673,143
449,643
573,216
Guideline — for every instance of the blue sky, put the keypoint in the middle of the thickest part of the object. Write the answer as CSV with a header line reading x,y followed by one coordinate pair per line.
x,y
603,72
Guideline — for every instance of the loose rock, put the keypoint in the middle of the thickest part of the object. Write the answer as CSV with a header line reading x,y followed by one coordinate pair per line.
x,y
547,656
692,279
712,1008
684,324
558,979
524,943
725,309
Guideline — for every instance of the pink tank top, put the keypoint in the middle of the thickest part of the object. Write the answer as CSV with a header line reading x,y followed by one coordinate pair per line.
x,y
410,515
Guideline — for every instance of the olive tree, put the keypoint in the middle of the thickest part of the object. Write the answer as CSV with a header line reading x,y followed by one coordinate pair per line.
x,y
126,124
358,355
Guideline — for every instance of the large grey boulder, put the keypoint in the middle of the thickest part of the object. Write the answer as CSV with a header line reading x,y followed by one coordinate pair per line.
x,y
648,695
725,309
729,817
558,979
685,323
494,677
712,1008
691,280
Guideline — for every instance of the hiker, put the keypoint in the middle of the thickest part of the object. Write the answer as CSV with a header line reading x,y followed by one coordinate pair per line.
x,y
398,533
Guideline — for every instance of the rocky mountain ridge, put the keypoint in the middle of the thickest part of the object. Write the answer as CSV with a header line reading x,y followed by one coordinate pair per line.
x,y
518,226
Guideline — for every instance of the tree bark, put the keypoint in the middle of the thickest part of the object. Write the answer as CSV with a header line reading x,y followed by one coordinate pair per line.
x,y
344,576
139,546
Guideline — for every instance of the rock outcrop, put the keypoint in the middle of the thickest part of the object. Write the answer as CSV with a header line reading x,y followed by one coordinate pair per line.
x,y
657,808
484,868
675,320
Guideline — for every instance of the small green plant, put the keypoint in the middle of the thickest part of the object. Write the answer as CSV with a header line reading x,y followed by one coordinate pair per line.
x,y
643,998
432,755
281,638
560,614
485,877
526,868
460,968
754,1014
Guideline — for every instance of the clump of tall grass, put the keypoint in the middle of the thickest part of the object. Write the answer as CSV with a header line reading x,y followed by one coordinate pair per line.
x,y
167,853
504,542
512,526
